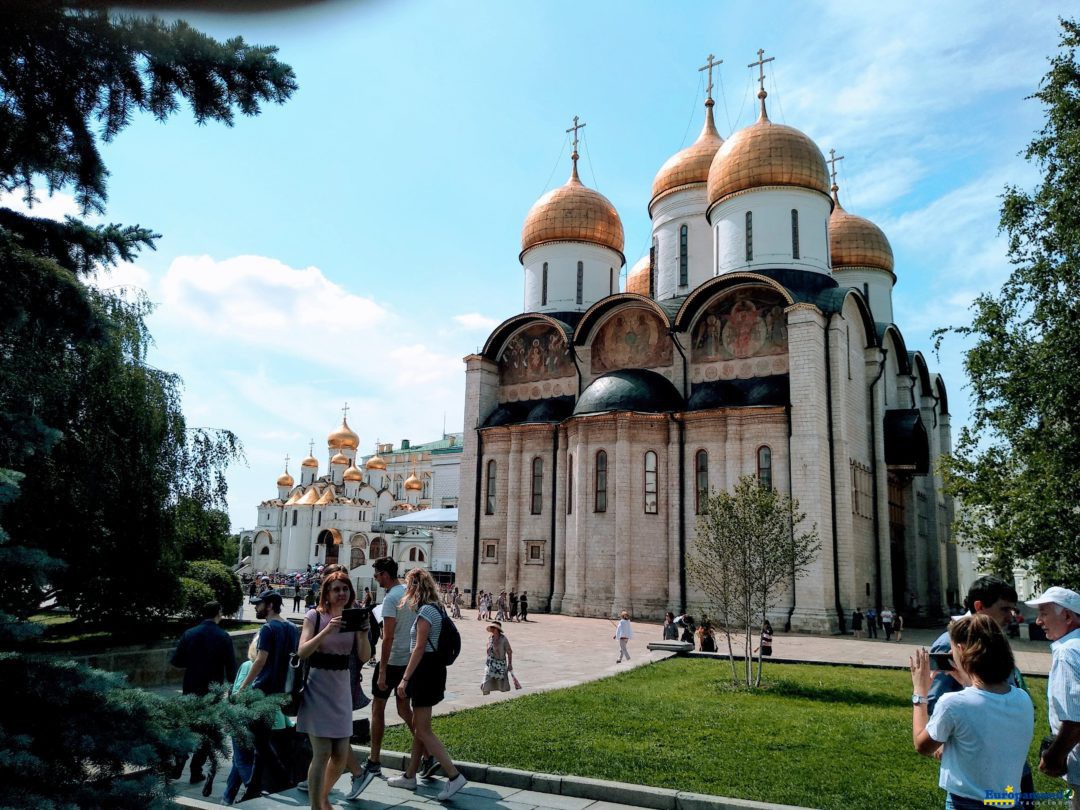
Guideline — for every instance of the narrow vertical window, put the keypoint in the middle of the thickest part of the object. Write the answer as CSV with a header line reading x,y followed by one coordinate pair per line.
x,y
650,483
537,486
749,236
601,481
489,506
654,266
570,485
543,287
580,280
866,292
701,480
611,281
294,517
683,259
794,233
764,466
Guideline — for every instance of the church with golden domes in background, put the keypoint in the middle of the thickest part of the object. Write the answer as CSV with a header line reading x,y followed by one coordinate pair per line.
x,y
756,337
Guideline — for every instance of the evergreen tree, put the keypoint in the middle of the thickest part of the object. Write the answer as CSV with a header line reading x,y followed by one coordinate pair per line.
x,y
1016,468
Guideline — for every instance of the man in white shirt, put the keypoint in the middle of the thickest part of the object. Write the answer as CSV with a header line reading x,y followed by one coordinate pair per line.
x,y
1059,617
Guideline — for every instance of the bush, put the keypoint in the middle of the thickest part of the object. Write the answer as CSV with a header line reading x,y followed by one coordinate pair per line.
x,y
223,582
193,595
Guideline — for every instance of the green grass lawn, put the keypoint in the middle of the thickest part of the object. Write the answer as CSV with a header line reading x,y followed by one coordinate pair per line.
x,y
815,736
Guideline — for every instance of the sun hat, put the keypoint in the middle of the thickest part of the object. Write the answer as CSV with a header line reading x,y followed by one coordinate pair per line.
x,y
496,624
1058,596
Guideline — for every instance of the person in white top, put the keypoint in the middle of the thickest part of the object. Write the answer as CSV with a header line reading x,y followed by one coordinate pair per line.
x,y
1059,617
985,728
623,632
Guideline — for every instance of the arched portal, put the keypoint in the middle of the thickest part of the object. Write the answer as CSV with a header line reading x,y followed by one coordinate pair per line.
x,y
331,539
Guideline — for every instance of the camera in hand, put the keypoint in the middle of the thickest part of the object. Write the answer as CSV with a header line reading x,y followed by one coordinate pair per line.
x,y
942,661
354,619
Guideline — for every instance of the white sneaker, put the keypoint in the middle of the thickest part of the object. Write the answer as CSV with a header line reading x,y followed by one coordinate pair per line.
x,y
452,787
302,786
403,781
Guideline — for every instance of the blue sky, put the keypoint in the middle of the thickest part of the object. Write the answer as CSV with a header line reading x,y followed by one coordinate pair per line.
x,y
357,242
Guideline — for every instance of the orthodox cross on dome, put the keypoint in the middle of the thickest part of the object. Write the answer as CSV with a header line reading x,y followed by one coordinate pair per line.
x,y
286,462
574,154
832,161
311,448
710,63
760,63
345,412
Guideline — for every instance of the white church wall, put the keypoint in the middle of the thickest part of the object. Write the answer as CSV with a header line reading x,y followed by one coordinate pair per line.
x,y
878,284
680,208
600,275
772,230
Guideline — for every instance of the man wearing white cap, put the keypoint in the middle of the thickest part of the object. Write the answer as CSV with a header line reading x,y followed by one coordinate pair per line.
x,y
1059,617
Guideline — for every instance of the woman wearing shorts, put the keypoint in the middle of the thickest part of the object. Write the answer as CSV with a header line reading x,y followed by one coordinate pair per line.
x,y
424,682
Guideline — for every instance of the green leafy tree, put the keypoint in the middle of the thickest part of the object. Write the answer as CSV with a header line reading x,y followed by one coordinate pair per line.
x,y
202,532
749,548
1015,468
221,580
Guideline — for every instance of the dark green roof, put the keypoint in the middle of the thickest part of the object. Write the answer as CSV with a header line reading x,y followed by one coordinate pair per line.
x,y
629,390
907,447
771,390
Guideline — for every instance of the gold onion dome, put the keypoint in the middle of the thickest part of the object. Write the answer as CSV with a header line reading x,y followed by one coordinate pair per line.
x,y
285,480
310,461
343,437
572,213
376,462
353,474
857,242
340,458
691,165
637,280
413,483
766,154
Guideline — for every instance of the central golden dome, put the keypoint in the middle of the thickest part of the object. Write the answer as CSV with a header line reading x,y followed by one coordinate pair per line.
x,y
691,165
637,280
573,213
766,154
857,242
343,437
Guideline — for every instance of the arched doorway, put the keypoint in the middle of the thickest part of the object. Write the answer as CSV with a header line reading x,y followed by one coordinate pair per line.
x,y
331,539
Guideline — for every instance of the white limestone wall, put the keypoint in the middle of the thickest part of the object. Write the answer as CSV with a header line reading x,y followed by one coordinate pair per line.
x,y
445,479
772,233
878,284
600,276
680,208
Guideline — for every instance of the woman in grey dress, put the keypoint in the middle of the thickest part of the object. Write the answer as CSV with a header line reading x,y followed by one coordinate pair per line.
x,y
326,712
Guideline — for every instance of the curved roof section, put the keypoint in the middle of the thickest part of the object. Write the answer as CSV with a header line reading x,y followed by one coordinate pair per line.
x,y
922,371
832,301
505,330
594,314
772,390
907,445
704,293
629,390
536,411
892,332
942,394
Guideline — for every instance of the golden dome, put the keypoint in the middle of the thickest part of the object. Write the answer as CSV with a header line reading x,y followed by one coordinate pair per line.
x,y
343,437
691,165
340,458
573,213
856,241
766,154
637,280
310,461
376,462
285,480
413,484
353,474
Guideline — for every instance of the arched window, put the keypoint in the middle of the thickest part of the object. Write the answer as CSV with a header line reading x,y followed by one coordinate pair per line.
x,y
570,484
537,505
543,287
416,554
264,550
749,236
701,480
764,466
794,233
426,492
683,259
377,548
356,558
651,504
580,281
601,481
489,506
397,487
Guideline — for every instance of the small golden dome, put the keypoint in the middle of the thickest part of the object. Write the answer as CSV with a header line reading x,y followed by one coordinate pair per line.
x,y
574,213
766,154
343,437
353,474
310,461
376,462
637,280
691,165
856,241
340,458
285,480
413,484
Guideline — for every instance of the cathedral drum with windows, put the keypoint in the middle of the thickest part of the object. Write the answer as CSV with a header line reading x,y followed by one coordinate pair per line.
x,y
756,337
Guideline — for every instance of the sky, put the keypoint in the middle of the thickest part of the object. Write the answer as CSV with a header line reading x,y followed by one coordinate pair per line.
x,y
355,243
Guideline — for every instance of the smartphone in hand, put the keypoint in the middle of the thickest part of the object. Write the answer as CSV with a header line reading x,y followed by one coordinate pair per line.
x,y
941,661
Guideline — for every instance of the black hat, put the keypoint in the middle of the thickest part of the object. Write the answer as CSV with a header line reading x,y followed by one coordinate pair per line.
x,y
271,596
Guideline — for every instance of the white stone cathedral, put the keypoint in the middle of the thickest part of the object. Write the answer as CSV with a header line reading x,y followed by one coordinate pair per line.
x,y
756,337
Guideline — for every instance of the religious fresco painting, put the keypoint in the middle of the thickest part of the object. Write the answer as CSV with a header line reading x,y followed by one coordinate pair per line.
x,y
633,338
748,323
539,352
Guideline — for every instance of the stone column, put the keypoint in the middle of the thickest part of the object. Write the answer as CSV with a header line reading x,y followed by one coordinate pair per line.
x,y
514,504
558,554
674,560
481,398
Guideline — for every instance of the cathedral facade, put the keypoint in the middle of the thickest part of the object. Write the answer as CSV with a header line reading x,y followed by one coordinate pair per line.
x,y
756,337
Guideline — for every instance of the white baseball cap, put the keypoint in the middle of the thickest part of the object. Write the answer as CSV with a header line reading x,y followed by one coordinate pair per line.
x,y
1058,596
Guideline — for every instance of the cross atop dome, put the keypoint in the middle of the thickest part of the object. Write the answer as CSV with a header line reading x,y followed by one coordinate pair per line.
x,y
574,154
286,462
710,63
345,412
832,161
760,64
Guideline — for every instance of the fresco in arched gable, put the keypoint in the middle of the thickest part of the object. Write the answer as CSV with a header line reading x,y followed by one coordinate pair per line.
x,y
740,335
538,352
632,338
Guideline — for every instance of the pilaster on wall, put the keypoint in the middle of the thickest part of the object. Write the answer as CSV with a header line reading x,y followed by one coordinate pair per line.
x,y
674,560
815,609
481,398
622,597
842,453
557,556
881,586
937,565
514,505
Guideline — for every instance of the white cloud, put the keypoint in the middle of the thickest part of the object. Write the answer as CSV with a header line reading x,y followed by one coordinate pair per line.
x,y
48,206
125,276
476,321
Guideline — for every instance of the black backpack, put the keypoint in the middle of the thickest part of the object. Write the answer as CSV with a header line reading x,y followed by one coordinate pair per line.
x,y
449,646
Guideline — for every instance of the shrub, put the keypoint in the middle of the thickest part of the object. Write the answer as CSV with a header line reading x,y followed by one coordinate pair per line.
x,y
223,582
193,595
